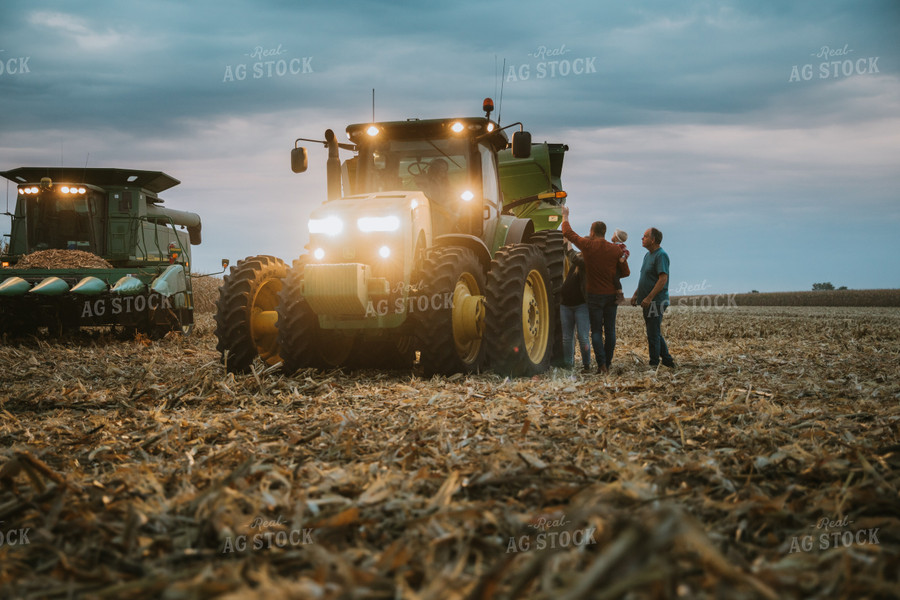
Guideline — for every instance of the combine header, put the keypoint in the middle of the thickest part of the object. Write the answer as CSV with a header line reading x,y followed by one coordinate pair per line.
x,y
96,247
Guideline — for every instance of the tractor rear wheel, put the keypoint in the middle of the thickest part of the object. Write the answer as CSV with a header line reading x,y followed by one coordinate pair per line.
x,y
520,324
451,328
303,344
552,245
245,312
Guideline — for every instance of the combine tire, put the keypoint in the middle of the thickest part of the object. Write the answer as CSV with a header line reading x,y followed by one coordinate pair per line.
x,y
520,323
451,329
302,342
248,295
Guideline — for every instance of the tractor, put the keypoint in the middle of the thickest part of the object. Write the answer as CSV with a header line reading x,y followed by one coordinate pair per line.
x,y
437,241
95,246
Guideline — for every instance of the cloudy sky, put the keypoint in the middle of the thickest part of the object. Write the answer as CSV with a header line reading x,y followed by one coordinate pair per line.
x,y
762,137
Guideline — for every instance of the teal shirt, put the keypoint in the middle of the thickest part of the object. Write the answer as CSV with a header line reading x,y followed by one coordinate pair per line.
x,y
655,263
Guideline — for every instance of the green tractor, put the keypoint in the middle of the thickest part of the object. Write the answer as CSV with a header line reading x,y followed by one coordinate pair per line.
x,y
94,246
415,251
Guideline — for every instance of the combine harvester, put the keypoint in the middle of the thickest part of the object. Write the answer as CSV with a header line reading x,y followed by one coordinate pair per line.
x,y
437,236
96,247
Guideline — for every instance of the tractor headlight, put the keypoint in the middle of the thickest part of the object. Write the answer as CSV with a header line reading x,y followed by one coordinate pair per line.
x,y
384,252
319,253
467,196
328,225
369,224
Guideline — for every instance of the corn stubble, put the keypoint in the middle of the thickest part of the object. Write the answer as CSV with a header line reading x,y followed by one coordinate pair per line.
x,y
134,466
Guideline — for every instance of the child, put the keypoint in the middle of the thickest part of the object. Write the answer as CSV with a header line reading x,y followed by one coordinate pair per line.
x,y
618,239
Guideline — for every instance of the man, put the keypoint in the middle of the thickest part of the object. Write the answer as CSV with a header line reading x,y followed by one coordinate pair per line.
x,y
601,259
653,295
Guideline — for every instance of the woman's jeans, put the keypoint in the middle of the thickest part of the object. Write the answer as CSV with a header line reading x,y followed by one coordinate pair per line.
x,y
574,318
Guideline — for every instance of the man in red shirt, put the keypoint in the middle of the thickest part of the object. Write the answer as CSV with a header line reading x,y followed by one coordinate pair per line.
x,y
601,259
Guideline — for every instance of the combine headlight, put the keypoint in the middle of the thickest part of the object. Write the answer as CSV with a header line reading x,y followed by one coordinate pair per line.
x,y
467,196
457,127
384,252
368,224
64,189
372,131
328,225
319,253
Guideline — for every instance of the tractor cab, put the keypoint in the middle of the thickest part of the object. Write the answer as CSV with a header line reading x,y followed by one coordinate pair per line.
x,y
450,161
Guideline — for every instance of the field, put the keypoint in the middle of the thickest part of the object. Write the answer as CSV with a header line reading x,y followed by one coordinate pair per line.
x,y
766,466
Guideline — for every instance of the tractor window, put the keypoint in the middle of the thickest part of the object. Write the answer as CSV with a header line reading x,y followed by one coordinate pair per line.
x,y
489,177
439,168
57,222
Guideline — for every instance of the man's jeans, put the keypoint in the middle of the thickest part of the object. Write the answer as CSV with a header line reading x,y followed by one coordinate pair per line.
x,y
657,344
602,308
574,318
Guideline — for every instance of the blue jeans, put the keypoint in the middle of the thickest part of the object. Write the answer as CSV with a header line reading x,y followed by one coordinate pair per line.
x,y
657,344
602,308
572,319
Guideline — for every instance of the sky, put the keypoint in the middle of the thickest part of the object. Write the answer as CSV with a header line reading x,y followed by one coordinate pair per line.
x,y
762,137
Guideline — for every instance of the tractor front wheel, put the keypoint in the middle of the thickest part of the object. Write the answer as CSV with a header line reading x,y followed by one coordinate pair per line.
x,y
302,342
245,312
451,329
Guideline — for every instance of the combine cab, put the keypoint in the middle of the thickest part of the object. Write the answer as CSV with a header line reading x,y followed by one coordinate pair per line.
x,y
415,250
96,247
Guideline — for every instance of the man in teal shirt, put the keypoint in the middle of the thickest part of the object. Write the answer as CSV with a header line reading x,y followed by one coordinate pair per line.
x,y
653,295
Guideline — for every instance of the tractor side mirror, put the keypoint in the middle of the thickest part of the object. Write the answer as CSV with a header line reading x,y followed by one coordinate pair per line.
x,y
299,160
225,263
521,144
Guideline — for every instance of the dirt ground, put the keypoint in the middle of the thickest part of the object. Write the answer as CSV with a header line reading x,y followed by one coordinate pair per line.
x,y
764,466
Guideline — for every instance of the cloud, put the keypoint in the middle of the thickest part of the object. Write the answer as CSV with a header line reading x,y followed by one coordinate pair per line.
x,y
77,29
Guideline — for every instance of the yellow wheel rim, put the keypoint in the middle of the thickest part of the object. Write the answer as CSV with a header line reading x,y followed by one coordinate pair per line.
x,y
535,317
467,314
262,329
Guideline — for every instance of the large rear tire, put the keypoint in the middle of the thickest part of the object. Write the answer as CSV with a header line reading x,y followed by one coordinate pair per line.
x,y
303,344
520,323
451,329
552,245
251,288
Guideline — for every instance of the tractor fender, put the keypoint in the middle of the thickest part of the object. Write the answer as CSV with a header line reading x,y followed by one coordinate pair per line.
x,y
519,231
473,243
